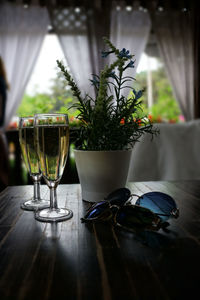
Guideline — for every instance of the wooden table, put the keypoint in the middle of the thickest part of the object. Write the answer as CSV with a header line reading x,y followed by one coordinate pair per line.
x,y
72,260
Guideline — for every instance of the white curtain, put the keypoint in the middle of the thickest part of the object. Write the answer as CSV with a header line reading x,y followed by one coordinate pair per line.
x,y
130,29
175,40
80,33
22,31
70,25
78,59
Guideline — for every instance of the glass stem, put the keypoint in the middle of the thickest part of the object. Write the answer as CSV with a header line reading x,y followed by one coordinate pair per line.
x,y
36,190
53,198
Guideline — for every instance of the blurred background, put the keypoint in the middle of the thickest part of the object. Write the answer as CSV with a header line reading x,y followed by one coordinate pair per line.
x,y
163,35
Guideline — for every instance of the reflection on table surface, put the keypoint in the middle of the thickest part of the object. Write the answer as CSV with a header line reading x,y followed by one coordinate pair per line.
x,y
72,260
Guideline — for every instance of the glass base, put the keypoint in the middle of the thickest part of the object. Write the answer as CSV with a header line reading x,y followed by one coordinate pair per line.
x,y
53,215
35,204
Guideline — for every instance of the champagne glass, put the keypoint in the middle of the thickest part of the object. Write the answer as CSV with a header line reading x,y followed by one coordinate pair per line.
x,y
26,139
52,143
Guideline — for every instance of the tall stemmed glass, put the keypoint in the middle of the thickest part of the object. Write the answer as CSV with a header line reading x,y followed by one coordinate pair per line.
x,y
26,139
52,143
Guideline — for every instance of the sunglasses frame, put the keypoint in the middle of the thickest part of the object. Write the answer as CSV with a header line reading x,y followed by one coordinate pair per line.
x,y
112,210
104,216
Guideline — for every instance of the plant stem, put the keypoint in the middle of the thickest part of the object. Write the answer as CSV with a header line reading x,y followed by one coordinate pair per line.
x,y
120,68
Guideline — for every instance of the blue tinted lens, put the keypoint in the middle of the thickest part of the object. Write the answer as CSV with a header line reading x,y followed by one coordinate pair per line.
x,y
119,197
96,210
159,203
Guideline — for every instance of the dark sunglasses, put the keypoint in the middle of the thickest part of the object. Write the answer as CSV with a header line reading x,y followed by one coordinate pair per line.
x,y
161,204
150,211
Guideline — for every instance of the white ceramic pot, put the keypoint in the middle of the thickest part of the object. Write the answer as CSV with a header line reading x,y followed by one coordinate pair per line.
x,y
101,172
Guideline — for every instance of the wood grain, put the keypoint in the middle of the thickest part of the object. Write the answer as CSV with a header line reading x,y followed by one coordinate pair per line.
x,y
72,260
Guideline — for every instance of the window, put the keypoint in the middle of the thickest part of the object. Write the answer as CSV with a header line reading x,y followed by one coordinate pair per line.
x,y
158,100
47,92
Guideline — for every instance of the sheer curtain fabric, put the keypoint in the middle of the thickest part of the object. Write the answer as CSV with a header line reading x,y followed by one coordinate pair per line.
x,y
70,25
22,31
173,30
81,31
130,30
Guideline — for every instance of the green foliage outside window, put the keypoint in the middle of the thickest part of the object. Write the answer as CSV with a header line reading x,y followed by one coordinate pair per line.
x,y
165,107
39,103
60,98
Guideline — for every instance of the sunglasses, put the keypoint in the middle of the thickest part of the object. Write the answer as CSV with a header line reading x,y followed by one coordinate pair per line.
x,y
151,210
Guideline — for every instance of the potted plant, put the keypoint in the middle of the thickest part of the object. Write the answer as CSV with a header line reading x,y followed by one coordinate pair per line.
x,y
110,124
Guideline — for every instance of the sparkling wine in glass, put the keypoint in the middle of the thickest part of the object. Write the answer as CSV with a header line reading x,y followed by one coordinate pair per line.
x,y
26,139
52,143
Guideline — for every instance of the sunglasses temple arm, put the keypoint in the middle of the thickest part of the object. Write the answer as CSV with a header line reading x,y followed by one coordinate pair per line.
x,y
131,197
134,195
164,215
